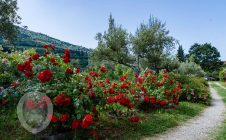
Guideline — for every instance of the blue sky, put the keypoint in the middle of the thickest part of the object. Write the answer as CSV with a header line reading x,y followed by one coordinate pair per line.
x,y
78,21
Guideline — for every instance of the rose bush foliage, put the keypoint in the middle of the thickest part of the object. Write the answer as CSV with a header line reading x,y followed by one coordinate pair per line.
x,y
80,99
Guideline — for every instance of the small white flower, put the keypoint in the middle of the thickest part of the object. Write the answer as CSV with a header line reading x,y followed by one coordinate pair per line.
x,y
5,61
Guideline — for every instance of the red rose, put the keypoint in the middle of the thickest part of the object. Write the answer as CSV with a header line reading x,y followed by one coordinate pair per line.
x,y
163,103
41,104
51,46
133,92
124,85
140,80
146,99
107,81
152,100
35,56
89,85
68,71
30,104
77,70
124,101
131,106
67,102
134,119
87,121
175,101
45,76
66,56
123,78
165,71
110,100
111,90
20,67
45,46
75,124
168,94
15,84
103,69
136,75
60,99
53,118
91,94
94,110
64,117
28,74
46,99
63,100
143,89
28,66
119,96
153,79
52,60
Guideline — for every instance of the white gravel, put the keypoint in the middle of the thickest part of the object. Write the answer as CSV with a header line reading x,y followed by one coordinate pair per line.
x,y
201,127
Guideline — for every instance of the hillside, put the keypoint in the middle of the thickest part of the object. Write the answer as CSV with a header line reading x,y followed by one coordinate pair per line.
x,y
30,39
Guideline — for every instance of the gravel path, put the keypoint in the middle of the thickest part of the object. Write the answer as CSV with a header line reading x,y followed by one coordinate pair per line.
x,y
200,127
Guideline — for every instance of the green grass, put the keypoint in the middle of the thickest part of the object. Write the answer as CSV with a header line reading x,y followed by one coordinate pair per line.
x,y
221,135
151,123
155,122
10,127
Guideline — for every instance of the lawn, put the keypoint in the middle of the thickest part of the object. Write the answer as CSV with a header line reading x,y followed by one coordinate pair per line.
x,y
222,92
156,122
152,123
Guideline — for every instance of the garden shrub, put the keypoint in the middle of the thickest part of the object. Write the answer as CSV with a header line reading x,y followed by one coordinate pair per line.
x,y
190,68
8,66
194,89
222,74
81,98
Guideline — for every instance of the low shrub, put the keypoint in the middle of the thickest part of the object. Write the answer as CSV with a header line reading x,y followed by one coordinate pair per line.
x,y
194,89
190,69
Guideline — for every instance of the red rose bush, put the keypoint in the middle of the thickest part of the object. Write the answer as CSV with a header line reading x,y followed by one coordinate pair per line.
x,y
82,98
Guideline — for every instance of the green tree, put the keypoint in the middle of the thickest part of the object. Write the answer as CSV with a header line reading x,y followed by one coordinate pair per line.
x,y
180,54
207,56
8,19
151,43
113,45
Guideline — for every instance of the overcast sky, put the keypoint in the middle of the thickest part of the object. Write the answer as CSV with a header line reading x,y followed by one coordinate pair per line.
x,y
78,21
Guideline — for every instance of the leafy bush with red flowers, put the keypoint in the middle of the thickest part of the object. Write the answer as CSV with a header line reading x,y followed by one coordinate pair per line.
x,y
158,90
82,98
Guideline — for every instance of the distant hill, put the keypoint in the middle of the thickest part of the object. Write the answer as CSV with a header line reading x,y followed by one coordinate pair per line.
x,y
29,39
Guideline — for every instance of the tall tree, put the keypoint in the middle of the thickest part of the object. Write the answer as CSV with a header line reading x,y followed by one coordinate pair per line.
x,y
113,45
180,54
207,56
8,18
151,42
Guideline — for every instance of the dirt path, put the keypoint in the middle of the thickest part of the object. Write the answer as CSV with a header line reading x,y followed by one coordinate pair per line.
x,y
200,127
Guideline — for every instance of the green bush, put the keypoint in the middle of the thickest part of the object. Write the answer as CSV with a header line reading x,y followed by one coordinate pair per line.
x,y
222,74
190,68
8,66
194,89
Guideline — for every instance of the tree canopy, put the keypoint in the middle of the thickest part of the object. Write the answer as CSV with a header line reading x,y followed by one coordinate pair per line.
x,y
151,42
180,54
207,56
8,17
113,45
